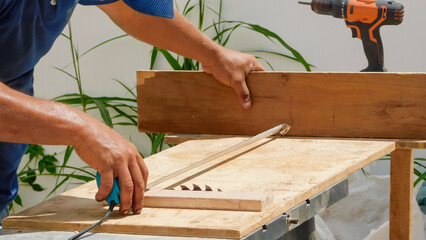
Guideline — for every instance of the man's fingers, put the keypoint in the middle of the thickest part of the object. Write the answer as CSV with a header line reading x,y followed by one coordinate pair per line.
x,y
143,168
126,189
258,67
107,182
139,187
243,93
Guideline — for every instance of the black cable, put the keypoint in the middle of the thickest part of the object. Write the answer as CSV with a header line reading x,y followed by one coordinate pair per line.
x,y
111,207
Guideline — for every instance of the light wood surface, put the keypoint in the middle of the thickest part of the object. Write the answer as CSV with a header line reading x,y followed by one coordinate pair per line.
x,y
215,200
401,195
400,143
293,170
365,105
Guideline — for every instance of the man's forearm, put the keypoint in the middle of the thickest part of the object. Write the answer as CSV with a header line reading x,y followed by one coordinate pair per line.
x,y
177,35
25,119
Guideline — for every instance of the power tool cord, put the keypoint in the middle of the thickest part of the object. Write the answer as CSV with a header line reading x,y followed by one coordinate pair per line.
x,y
111,208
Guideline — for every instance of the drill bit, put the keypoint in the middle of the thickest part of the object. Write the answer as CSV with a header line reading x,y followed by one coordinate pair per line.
x,y
305,3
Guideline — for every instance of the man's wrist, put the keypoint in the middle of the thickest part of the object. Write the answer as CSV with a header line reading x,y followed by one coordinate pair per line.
x,y
212,54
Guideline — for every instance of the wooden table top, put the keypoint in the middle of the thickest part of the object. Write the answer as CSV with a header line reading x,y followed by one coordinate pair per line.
x,y
293,170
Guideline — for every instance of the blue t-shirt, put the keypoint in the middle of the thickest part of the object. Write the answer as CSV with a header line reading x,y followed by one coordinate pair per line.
x,y
28,29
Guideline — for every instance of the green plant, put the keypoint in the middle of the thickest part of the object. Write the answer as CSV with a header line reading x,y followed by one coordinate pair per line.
x,y
420,171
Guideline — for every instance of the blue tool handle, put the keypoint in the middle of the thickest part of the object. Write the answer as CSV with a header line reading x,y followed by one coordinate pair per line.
x,y
115,192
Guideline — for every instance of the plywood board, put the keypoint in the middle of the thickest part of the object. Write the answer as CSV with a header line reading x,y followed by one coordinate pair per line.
x,y
293,170
364,105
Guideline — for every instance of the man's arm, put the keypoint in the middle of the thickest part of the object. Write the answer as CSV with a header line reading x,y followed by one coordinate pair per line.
x,y
180,36
25,119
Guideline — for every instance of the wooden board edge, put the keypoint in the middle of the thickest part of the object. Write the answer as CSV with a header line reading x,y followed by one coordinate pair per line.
x,y
400,143
141,77
208,200
410,144
137,230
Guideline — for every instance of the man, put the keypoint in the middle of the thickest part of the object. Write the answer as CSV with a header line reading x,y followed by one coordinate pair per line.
x,y
27,32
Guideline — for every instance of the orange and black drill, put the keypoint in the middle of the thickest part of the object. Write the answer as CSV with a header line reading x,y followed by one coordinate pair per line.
x,y
364,18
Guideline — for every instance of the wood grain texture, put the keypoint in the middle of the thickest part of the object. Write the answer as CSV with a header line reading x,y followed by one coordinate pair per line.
x,y
292,170
400,143
213,200
364,105
401,195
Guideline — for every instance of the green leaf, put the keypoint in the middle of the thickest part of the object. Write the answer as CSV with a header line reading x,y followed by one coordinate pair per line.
x,y
50,167
154,54
420,178
170,59
41,166
278,54
132,118
57,186
188,10
268,63
67,155
419,164
104,112
127,88
18,200
159,139
37,187
67,73
30,178
103,43
50,158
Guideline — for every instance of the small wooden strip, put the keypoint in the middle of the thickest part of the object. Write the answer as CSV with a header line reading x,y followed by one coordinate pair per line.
x,y
411,144
401,195
211,200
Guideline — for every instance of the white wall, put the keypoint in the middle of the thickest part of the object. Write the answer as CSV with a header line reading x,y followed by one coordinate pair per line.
x,y
323,40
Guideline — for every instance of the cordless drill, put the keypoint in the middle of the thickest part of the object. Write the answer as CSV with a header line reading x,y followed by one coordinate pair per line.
x,y
364,18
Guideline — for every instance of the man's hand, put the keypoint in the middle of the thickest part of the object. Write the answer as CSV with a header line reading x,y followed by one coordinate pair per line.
x,y
25,119
231,68
180,36
113,156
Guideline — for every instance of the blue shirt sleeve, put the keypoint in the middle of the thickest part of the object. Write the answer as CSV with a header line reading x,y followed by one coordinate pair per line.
x,y
159,8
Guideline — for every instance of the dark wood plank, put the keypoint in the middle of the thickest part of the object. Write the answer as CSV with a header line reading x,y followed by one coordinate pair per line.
x,y
365,105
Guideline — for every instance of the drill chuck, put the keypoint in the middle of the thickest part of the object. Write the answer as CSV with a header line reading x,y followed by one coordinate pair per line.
x,y
334,8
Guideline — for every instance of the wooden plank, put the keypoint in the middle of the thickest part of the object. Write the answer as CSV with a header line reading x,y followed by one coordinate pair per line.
x,y
213,200
401,195
400,143
292,170
364,105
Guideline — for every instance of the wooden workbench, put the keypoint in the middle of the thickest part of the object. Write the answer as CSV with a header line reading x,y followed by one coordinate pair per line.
x,y
386,110
293,170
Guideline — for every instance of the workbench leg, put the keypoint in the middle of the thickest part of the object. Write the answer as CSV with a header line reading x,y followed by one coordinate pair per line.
x,y
401,195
